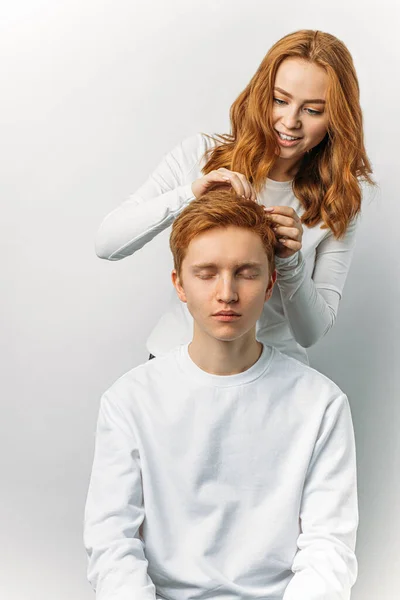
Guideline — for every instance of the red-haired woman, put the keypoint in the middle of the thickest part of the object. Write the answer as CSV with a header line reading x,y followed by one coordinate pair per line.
x,y
296,146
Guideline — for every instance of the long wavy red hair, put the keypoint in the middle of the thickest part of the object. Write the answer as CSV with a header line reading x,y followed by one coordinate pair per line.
x,y
328,181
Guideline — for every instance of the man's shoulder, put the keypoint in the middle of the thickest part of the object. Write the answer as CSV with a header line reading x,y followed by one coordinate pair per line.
x,y
145,377
296,375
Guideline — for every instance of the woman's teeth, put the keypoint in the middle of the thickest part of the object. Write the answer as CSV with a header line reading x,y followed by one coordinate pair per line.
x,y
287,137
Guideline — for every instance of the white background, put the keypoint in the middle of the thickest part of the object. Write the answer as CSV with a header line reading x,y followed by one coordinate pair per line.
x,y
93,93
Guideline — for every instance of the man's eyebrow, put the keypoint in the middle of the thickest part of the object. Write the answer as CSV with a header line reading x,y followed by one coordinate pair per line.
x,y
246,265
204,266
314,101
249,265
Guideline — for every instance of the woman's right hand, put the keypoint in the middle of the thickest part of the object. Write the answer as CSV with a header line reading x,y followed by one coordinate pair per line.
x,y
223,176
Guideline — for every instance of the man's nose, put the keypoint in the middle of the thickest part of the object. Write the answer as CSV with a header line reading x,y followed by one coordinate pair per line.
x,y
226,290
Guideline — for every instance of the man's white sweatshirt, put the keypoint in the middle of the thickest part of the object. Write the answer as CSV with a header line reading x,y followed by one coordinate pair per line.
x,y
232,487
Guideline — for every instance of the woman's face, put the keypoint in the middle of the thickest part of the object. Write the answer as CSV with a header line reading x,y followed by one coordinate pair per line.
x,y
299,113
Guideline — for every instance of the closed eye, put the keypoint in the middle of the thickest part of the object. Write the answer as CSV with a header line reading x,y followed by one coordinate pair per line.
x,y
243,275
247,275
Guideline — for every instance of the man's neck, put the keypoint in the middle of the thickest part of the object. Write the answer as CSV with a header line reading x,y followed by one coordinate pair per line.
x,y
224,357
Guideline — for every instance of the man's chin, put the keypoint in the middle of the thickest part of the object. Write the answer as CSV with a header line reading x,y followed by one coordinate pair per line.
x,y
226,333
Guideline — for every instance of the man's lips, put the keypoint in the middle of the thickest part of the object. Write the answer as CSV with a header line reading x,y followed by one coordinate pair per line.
x,y
226,316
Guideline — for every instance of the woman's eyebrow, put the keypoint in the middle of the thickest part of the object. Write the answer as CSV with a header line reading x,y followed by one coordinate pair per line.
x,y
314,101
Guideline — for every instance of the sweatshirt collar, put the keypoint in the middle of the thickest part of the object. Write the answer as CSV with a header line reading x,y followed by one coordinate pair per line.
x,y
251,374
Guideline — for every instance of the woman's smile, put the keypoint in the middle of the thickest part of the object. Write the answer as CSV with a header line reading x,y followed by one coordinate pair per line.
x,y
287,140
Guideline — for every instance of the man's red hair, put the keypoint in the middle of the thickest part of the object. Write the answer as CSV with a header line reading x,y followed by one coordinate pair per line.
x,y
220,207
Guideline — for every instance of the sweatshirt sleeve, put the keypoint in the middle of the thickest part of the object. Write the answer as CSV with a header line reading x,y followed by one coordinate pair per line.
x,y
325,566
117,566
311,302
154,206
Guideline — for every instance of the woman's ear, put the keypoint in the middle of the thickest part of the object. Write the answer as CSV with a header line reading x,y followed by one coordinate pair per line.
x,y
176,281
268,292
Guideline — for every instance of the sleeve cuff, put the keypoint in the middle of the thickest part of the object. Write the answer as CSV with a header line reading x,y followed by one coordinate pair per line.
x,y
188,193
290,266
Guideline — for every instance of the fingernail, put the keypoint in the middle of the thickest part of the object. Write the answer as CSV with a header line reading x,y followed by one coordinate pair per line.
x,y
269,208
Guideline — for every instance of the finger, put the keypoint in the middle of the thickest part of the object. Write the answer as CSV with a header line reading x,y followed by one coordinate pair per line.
x,y
290,232
246,185
237,184
250,192
217,176
291,244
286,211
216,180
240,183
225,172
281,220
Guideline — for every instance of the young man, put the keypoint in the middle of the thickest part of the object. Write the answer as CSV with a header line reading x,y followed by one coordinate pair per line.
x,y
223,469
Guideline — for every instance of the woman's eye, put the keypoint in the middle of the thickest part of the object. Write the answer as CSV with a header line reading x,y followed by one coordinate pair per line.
x,y
310,111
279,101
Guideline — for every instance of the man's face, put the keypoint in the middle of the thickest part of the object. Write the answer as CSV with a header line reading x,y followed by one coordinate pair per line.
x,y
225,281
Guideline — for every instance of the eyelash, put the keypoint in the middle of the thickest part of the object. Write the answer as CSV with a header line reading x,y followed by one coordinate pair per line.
x,y
311,112
245,277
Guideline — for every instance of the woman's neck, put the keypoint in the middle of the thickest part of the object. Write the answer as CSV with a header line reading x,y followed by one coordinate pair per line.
x,y
284,170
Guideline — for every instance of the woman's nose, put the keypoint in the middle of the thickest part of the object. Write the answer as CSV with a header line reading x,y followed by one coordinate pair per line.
x,y
291,120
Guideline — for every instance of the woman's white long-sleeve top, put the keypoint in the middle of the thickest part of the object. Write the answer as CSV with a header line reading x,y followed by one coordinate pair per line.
x,y
304,303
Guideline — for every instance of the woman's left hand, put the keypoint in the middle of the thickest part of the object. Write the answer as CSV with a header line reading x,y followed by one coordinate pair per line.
x,y
288,229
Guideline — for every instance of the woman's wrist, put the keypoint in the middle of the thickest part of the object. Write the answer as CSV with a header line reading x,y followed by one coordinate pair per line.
x,y
289,267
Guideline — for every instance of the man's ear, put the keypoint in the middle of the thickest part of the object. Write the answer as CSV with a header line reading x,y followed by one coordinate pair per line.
x,y
176,280
268,292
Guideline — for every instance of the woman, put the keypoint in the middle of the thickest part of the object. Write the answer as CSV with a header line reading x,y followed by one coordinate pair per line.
x,y
296,146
